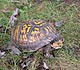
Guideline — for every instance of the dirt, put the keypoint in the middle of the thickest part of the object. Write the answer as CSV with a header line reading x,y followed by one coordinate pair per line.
x,y
69,2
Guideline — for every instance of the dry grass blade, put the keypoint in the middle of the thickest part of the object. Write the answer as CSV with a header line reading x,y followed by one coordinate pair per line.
x,y
40,7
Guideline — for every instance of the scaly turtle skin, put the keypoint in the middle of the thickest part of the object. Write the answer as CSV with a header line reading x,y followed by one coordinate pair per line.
x,y
35,34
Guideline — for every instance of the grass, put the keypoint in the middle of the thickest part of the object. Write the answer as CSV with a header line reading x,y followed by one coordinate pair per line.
x,y
51,11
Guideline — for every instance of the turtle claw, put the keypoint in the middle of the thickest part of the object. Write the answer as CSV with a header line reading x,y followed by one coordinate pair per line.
x,y
2,54
26,61
42,65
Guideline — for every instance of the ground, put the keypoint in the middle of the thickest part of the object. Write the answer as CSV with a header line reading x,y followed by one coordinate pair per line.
x,y
67,58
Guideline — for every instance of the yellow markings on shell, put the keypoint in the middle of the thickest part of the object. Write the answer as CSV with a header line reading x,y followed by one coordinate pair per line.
x,y
41,35
25,26
35,32
37,22
46,31
23,31
49,28
29,25
41,24
24,38
35,38
16,32
14,37
21,38
28,29
32,39
37,29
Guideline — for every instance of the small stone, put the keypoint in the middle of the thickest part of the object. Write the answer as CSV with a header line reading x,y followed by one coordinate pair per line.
x,y
2,54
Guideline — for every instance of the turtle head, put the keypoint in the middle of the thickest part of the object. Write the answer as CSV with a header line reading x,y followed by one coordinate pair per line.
x,y
57,43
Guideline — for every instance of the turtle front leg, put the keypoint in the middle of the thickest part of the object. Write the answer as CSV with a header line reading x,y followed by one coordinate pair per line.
x,y
26,61
47,51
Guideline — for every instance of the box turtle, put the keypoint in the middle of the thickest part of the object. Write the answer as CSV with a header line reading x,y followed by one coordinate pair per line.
x,y
33,35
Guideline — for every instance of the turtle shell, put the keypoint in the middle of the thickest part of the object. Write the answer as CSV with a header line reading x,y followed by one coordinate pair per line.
x,y
33,34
